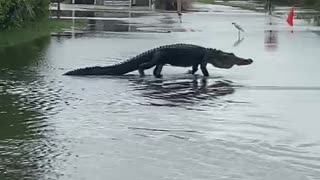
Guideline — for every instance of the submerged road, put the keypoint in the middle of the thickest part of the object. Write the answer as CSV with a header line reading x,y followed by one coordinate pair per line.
x,y
258,122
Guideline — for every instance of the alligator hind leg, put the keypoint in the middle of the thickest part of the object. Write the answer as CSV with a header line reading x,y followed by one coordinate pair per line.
x,y
203,68
149,64
194,69
157,71
144,66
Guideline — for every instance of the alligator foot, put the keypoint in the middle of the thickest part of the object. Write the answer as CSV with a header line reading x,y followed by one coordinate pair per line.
x,y
141,73
157,70
190,72
158,76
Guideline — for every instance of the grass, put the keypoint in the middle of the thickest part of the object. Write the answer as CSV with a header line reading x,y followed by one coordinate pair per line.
x,y
207,1
315,6
34,31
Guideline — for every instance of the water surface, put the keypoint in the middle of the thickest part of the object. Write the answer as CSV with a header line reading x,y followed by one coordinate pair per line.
x,y
254,122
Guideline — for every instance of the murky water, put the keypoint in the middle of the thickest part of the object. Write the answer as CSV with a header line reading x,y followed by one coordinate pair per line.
x,y
254,122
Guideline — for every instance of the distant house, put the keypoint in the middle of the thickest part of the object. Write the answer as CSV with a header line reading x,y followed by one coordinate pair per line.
x,y
106,2
83,1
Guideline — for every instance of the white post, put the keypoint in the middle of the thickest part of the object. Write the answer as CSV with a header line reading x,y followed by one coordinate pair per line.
x,y
73,1
130,3
179,4
129,25
73,23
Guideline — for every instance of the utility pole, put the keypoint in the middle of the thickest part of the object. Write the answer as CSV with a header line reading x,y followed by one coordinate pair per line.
x,y
59,9
179,6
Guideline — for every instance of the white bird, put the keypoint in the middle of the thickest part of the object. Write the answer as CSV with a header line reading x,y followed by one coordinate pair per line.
x,y
238,27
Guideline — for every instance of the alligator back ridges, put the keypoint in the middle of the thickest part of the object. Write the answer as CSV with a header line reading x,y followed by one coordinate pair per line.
x,y
116,69
124,67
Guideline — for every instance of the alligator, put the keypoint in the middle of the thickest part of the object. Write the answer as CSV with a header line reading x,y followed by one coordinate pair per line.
x,y
183,55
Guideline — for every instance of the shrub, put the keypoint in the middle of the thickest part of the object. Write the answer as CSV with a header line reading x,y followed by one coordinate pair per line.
x,y
16,13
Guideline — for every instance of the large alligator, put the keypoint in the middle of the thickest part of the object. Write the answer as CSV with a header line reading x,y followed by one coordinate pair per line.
x,y
183,55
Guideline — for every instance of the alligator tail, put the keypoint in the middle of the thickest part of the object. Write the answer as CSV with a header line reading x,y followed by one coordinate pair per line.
x,y
117,69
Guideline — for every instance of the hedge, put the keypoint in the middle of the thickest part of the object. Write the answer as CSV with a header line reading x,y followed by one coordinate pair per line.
x,y
16,13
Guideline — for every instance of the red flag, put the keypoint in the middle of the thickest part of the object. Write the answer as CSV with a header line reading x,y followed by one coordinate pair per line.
x,y
290,17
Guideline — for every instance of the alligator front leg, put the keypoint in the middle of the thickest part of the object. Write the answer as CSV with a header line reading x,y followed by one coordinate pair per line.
x,y
194,68
204,70
157,71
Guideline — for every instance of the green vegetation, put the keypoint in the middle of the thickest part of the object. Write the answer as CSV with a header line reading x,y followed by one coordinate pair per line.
x,y
207,1
306,3
23,20
34,30
312,3
17,13
26,20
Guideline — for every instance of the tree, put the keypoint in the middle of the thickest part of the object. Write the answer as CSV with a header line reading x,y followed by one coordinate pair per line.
x,y
15,13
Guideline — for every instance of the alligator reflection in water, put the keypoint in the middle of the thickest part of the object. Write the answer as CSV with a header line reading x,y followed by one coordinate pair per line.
x,y
180,92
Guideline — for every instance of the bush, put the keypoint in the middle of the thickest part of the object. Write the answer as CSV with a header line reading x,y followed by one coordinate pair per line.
x,y
318,5
207,1
172,4
16,13
310,2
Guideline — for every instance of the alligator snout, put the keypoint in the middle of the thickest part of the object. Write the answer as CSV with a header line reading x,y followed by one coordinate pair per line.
x,y
249,61
245,62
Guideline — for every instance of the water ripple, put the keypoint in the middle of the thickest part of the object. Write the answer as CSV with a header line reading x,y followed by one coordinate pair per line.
x,y
162,130
26,148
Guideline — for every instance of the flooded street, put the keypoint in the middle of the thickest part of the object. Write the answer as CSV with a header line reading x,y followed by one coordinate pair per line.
x,y
257,122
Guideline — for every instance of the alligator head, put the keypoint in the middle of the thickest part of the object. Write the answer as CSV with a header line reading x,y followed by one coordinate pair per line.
x,y
226,60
